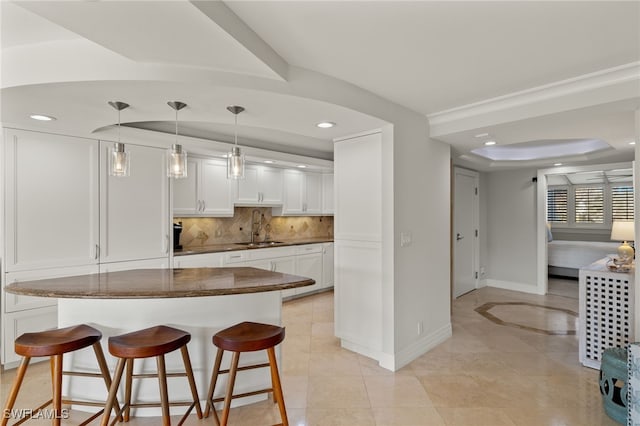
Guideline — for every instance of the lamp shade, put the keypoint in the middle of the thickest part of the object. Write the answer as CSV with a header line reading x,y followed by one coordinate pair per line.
x,y
623,230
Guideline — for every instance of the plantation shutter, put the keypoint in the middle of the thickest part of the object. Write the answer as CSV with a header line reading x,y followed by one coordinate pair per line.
x,y
622,202
589,204
557,205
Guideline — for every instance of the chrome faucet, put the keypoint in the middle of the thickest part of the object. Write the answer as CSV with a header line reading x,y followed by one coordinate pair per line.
x,y
256,224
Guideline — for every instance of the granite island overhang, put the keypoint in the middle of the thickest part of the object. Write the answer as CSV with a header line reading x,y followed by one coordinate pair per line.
x,y
201,301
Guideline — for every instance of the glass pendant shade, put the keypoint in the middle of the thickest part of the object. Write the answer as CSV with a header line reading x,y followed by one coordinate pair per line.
x,y
177,157
119,158
235,159
177,162
235,164
119,161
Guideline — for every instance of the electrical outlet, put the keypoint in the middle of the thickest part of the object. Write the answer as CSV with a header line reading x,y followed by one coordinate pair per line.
x,y
405,239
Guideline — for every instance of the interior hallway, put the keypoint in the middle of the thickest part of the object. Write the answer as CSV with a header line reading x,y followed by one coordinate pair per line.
x,y
487,374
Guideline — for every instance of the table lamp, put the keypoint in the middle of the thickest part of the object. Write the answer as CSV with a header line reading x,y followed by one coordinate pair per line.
x,y
623,230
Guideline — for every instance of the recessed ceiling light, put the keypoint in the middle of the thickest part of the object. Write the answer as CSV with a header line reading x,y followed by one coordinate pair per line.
x,y
302,166
632,143
482,135
42,117
269,161
557,164
325,124
489,143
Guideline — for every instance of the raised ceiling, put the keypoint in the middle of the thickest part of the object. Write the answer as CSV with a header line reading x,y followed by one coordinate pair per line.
x,y
68,58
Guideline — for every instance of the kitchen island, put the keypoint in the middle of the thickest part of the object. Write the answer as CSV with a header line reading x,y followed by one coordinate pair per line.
x,y
201,301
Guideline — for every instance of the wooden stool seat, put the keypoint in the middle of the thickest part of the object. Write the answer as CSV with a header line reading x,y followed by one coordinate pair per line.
x,y
249,337
55,343
246,337
150,342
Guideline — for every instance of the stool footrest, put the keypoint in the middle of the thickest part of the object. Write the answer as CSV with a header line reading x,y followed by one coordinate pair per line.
x,y
243,395
246,367
155,375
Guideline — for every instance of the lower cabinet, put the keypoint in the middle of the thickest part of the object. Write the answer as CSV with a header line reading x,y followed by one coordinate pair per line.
x,y
309,264
160,263
28,321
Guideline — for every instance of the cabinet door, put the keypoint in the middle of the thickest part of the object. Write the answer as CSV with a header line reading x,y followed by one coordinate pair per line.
x,y
310,266
18,323
186,200
327,265
51,201
285,265
248,188
293,202
327,193
313,193
271,185
161,263
134,221
216,194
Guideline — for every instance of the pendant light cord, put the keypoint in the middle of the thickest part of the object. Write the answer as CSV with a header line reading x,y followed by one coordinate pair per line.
x,y
236,129
176,125
118,126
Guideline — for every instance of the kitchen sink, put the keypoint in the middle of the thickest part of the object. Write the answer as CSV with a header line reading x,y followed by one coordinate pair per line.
x,y
262,244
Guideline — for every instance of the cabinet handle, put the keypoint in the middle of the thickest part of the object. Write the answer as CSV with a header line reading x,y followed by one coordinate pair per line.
x,y
166,238
237,256
97,252
204,206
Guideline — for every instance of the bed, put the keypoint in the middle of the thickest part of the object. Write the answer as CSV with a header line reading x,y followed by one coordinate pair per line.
x,y
565,258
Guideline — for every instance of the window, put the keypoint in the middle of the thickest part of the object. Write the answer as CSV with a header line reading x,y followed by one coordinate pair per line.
x,y
557,205
622,203
589,204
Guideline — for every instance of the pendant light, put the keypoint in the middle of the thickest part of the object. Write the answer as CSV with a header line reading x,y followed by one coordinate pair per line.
x,y
119,159
235,160
176,157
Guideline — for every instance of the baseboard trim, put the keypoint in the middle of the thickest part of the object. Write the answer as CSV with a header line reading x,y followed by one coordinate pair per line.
x,y
510,285
421,346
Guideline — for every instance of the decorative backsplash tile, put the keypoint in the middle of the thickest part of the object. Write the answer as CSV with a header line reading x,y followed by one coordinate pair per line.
x,y
199,231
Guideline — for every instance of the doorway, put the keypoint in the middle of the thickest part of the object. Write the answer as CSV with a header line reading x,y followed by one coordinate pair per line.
x,y
465,231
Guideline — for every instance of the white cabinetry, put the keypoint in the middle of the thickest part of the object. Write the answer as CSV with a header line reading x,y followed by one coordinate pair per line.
x,y
327,265
134,210
261,186
205,191
51,201
302,193
28,321
327,193
204,260
309,264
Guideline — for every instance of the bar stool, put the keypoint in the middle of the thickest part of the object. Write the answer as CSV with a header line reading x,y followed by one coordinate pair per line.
x,y
150,342
246,337
54,344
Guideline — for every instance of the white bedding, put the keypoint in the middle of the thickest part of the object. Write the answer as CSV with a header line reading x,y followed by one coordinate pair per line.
x,y
577,254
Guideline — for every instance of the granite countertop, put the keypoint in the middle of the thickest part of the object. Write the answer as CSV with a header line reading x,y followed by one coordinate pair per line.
x,y
161,283
217,248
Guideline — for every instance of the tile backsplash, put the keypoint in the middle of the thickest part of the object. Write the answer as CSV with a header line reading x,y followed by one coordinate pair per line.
x,y
199,231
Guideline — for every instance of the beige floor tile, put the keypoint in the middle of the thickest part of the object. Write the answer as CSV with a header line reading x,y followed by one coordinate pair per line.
x,y
396,391
474,417
323,329
407,416
295,391
340,417
334,364
337,392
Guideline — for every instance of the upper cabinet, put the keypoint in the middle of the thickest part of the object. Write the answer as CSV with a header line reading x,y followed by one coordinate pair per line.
x,y
261,186
302,193
134,210
327,194
51,201
205,191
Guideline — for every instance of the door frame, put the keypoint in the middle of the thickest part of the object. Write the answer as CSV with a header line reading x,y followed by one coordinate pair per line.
x,y
476,225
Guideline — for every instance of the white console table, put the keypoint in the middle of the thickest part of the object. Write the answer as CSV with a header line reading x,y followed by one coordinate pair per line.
x,y
606,311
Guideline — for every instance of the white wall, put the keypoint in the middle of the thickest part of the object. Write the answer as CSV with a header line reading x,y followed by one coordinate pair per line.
x,y
511,230
422,209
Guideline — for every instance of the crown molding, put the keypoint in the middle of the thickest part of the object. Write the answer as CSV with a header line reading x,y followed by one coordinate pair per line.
x,y
607,85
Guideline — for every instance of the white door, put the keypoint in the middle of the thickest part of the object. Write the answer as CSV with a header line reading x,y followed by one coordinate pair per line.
x,y
465,231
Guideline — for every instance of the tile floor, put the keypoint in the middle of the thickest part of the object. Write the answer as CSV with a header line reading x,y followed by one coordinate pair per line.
x,y
485,375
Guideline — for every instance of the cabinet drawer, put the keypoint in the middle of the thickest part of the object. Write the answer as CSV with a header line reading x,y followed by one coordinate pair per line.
x,y
205,260
309,248
236,256
271,253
